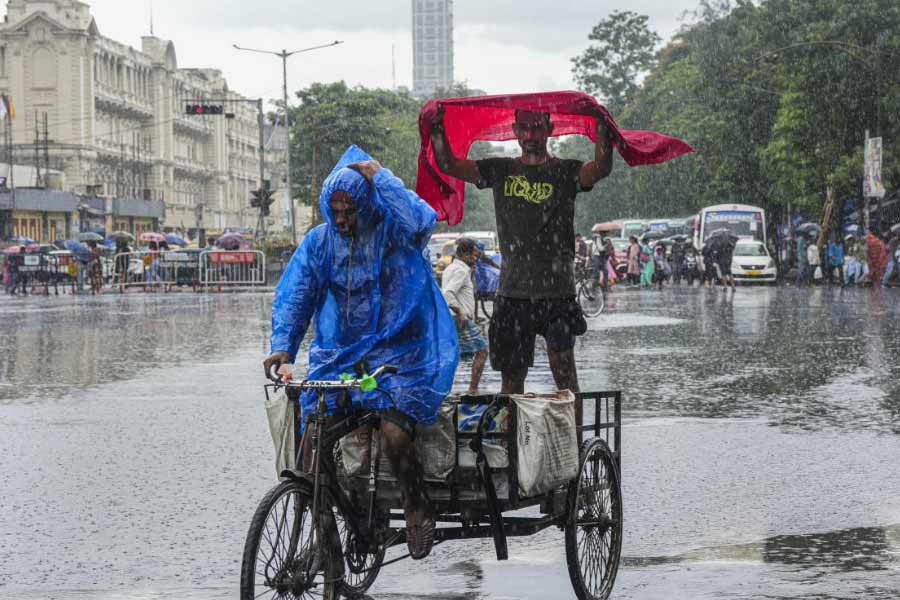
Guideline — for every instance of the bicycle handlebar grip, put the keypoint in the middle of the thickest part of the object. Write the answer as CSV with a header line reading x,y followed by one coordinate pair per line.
x,y
389,369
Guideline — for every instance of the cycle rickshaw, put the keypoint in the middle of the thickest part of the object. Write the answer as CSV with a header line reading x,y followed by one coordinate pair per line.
x,y
323,534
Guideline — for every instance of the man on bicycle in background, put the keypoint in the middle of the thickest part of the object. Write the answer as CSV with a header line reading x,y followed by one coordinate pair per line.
x,y
363,278
534,201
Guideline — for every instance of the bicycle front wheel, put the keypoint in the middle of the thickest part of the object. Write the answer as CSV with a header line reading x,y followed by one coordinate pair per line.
x,y
288,554
592,298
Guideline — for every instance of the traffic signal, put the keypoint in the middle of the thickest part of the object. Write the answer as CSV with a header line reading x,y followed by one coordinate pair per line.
x,y
203,109
262,199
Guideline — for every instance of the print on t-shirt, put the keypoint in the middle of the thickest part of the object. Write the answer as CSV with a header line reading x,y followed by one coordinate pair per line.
x,y
518,186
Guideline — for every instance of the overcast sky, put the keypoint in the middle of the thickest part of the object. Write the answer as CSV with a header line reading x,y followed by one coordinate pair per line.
x,y
501,46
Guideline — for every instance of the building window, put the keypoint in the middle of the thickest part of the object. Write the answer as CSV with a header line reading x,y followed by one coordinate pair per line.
x,y
44,69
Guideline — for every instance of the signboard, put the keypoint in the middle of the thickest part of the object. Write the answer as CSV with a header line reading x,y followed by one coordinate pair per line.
x,y
232,257
872,184
732,216
174,257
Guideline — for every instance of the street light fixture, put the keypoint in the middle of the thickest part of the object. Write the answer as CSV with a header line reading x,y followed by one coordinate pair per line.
x,y
284,55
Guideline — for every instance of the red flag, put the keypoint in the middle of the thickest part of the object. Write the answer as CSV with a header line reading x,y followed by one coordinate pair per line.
x,y
490,118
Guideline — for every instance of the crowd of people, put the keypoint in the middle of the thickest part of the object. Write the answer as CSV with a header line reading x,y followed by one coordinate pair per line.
x,y
852,261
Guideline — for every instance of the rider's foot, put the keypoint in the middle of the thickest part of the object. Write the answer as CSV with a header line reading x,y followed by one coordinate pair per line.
x,y
419,528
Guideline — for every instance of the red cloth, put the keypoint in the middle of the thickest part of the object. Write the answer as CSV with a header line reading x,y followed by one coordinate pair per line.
x,y
490,118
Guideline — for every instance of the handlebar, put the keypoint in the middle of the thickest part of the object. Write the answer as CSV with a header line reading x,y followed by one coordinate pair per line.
x,y
364,383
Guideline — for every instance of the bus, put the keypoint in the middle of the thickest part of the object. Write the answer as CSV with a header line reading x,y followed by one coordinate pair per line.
x,y
745,221
633,228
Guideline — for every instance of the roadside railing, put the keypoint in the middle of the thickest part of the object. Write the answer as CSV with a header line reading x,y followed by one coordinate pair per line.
x,y
234,268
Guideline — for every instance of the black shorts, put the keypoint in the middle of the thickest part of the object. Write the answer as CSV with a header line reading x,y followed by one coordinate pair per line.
x,y
725,268
516,322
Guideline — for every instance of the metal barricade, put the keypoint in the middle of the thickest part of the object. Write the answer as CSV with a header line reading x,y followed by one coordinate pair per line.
x,y
233,268
156,271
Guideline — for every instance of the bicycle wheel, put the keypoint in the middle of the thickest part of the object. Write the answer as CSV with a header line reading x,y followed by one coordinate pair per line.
x,y
286,555
594,523
361,564
591,298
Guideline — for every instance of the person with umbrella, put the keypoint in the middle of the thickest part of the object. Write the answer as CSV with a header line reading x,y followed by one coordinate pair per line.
x,y
725,253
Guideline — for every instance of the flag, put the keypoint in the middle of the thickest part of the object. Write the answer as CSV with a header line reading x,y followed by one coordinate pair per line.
x,y
8,108
490,118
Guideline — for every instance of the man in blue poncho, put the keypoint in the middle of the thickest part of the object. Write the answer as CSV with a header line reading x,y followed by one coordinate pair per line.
x,y
364,278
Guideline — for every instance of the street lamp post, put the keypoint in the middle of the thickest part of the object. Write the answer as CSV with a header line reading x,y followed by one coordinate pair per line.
x,y
284,55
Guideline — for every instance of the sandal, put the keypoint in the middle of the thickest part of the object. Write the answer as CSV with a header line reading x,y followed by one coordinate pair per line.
x,y
419,529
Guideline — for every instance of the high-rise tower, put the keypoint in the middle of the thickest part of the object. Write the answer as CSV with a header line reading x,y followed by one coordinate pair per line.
x,y
432,45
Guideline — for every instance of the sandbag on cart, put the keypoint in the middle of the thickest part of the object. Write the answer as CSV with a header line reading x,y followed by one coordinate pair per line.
x,y
546,440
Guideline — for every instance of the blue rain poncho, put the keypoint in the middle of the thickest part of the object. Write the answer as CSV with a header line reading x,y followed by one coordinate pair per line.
x,y
373,296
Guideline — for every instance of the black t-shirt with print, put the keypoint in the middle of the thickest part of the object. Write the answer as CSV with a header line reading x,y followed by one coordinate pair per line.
x,y
535,209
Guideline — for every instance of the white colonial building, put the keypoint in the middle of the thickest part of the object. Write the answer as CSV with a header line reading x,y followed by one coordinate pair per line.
x,y
116,121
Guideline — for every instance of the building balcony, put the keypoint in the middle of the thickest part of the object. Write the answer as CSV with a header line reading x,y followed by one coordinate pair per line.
x,y
193,124
109,99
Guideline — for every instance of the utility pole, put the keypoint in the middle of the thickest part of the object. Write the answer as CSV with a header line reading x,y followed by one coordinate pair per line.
x,y
263,210
284,55
38,181
46,144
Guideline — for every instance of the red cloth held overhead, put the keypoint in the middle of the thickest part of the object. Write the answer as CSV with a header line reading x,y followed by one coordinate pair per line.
x,y
490,118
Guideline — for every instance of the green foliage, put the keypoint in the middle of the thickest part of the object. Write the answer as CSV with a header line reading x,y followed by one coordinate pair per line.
x,y
333,116
774,95
622,50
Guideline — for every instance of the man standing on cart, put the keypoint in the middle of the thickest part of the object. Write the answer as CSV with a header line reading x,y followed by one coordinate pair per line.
x,y
363,279
534,200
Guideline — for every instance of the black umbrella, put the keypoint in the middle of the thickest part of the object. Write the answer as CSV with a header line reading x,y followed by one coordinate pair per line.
x,y
808,228
654,235
90,236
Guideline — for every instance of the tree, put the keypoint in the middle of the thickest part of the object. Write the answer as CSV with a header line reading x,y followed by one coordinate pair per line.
x,y
623,50
331,117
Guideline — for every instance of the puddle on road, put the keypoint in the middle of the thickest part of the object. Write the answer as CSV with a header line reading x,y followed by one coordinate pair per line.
x,y
620,320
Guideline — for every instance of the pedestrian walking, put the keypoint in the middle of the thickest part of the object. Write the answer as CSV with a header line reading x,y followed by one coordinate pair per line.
x,y
459,292
893,258
836,260
647,266
813,264
875,256
803,275
600,261
634,261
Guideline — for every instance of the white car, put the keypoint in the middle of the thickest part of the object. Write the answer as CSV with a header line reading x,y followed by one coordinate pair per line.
x,y
751,261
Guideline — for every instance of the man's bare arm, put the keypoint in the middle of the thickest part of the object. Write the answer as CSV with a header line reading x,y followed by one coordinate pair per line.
x,y
595,170
447,162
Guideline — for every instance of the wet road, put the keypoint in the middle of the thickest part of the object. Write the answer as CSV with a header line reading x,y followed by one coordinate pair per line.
x,y
761,449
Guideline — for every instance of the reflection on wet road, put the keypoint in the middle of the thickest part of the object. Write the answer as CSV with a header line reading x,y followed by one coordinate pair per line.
x,y
760,449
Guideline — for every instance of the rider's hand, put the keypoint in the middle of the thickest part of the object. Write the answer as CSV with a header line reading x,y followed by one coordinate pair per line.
x,y
367,168
275,364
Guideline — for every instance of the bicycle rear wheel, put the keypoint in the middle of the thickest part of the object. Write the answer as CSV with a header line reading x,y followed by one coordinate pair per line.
x,y
289,555
594,523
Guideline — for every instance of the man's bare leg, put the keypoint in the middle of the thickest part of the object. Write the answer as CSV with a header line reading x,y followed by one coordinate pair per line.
x,y
512,381
401,452
477,371
565,374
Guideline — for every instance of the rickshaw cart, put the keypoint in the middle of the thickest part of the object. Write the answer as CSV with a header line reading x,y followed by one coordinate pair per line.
x,y
355,514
